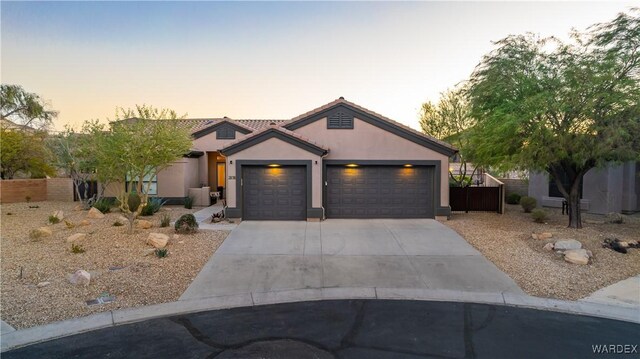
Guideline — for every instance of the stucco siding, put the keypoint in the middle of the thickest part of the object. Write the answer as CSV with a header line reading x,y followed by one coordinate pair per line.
x,y
211,143
171,180
368,142
275,149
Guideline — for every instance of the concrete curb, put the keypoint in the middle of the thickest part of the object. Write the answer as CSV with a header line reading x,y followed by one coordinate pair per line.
x,y
24,337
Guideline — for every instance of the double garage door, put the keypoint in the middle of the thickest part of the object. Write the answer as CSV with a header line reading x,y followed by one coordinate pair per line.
x,y
350,192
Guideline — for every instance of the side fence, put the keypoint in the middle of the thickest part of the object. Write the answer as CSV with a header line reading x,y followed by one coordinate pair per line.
x,y
41,189
515,185
487,198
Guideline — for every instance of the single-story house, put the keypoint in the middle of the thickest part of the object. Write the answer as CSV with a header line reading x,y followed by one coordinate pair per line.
x,y
614,188
336,161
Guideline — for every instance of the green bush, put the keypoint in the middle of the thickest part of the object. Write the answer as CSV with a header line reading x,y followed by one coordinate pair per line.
x,y
528,203
539,215
153,205
76,248
103,205
188,202
53,219
161,252
513,198
165,221
186,224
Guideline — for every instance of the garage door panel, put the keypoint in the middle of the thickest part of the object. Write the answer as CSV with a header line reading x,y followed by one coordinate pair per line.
x,y
274,193
380,192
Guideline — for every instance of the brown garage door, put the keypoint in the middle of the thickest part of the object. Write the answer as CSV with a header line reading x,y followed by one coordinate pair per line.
x,y
274,193
380,192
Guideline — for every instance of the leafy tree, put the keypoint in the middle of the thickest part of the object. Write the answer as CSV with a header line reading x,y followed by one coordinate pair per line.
x,y
142,142
75,154
450,120
563,108
24,151
24,108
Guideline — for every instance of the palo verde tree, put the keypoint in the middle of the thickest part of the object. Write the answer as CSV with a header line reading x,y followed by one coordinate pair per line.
x,y
140,143
24,152
24,108
563,108
450,120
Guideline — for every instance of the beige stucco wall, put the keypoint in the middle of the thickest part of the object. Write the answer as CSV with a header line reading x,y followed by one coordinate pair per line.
x,y
368,142
211,143
171,180
276,149
191,174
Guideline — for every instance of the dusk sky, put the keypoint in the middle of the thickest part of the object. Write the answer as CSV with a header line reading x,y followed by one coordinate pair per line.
x,y
261,60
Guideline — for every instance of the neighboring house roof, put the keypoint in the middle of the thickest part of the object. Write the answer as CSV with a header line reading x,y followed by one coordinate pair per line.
x,y
270,132
10,125
374,119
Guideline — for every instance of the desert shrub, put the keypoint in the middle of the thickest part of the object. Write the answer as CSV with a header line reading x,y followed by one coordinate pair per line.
x,y
539,215
165,221
153,205
161,252
69,224
513,198
528,203
9,214
118,224
186,224
34,206
76,248
103,205
54,219
614,217
188,202
36,234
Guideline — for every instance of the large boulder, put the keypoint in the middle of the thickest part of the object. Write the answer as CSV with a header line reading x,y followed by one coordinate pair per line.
x,y
80,277
143,224
158,240
567,244
95,213
76,237
84,222
577,256
58,214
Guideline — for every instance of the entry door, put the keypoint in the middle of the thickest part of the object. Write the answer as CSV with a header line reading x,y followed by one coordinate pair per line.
x,y
274,193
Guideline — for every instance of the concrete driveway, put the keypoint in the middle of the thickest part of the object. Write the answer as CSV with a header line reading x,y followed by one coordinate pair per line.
x,y
262,256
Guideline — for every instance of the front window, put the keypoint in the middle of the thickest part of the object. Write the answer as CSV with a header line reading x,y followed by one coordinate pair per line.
x,y
153,187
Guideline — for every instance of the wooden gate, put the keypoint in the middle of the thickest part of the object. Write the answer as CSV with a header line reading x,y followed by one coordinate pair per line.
x,y
481,199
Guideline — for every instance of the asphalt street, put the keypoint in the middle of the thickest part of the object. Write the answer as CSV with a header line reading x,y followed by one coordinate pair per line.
x,y
353,329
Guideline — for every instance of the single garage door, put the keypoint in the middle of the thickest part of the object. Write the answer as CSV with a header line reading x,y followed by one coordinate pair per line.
x,y
274,193
380,192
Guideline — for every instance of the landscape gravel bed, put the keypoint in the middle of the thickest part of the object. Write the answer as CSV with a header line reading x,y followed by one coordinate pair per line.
x,y
506,241
120,264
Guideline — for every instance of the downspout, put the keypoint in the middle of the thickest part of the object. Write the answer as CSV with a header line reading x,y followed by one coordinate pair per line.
x,y
324,184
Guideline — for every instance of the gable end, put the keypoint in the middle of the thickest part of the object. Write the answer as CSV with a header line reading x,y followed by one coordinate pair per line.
x,y
228,126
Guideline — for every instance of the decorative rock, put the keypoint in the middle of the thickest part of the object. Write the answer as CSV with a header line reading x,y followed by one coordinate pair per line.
x,y
545,235
534,236
80,277
77,208
176,236
148,252
158,240
577,256
59,214
94,213
43,284
589,253
567,244
122,219
548,247
76,237
84,222
143,224
624,244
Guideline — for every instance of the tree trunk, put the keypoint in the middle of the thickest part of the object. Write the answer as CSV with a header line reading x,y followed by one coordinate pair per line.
x,y
132,218
575,217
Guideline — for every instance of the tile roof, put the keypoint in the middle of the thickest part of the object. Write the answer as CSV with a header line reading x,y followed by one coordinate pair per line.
x,y
197,124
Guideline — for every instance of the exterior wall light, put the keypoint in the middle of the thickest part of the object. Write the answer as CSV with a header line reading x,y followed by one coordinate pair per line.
x,y
274,165
408,165
352,165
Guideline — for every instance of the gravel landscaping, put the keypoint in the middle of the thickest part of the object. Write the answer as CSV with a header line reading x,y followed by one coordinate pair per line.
x,y
506,240
121,265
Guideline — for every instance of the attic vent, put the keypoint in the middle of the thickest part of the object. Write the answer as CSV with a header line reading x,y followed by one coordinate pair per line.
x,y
340,120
